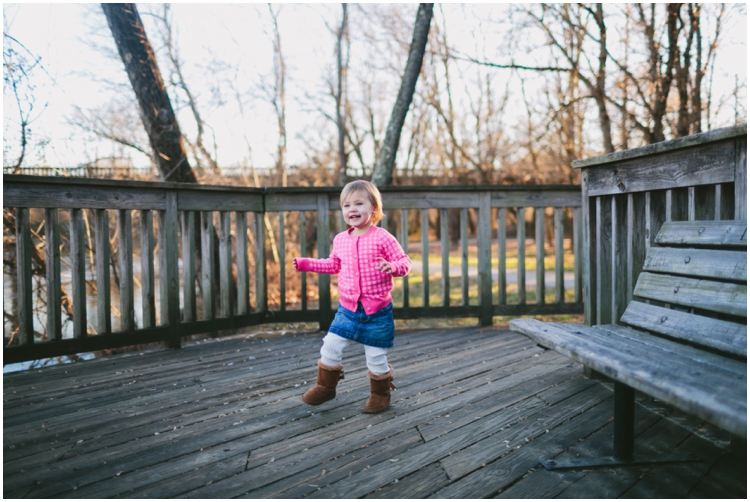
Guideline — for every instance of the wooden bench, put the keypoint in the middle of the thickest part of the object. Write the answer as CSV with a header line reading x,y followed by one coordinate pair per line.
x,y
682,340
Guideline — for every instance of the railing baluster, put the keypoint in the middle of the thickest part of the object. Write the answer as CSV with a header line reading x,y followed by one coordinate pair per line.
x,y
559,256
282,263
225,264
691,203
188,266
521,267
501,257
445,251
261,297
103,306
302,253
717,201
54,293
125,266
207,263
484,258
23,273
405,246
243,287
324,280
425,259
148,293
172,269
577,254
163,281
464,228
78,273
539,245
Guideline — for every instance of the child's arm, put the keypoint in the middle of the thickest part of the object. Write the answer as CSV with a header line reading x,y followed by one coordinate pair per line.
x,y
330,265
399,262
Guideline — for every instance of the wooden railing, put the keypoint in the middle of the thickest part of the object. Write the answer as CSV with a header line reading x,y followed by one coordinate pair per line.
x,y
628,195
74,248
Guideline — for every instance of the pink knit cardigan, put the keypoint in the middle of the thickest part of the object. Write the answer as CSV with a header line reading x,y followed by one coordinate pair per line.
x,y
355,259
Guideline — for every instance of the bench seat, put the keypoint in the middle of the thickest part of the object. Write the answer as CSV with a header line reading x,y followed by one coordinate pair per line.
x,y
709,386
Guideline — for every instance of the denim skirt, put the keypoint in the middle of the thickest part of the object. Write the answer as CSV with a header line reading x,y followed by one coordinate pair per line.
x,y
376,330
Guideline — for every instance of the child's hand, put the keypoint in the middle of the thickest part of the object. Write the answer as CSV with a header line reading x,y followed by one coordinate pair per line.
x,y
384,266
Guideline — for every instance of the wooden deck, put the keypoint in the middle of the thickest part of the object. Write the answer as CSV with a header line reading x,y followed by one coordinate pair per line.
x,y
475,410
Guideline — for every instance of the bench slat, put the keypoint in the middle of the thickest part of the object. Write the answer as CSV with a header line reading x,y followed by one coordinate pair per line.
x,y
722,335
714,233
709,263
652,373
690,360
695,293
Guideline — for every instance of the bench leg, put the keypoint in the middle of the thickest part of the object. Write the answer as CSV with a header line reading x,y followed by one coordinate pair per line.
x,y
623,443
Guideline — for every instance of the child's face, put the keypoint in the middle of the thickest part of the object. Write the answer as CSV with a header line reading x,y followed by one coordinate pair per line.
x,y
357,210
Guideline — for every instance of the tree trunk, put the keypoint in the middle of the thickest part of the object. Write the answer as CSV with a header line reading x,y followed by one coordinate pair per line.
x,y
340,113
156,109
384,169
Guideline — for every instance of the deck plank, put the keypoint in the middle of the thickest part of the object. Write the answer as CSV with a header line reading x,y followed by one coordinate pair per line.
x,y
223,419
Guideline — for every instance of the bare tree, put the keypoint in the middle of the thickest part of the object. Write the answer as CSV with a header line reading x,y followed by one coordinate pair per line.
x,y
383,173
156,109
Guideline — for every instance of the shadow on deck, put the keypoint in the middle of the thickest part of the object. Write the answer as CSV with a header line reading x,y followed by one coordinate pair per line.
x,y
475,410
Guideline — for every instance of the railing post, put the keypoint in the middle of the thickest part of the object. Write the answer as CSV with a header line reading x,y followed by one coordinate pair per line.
x,y
78,273
740,179
484,259
324,280
54,296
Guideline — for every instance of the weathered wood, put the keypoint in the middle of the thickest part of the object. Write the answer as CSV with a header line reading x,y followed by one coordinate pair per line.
x,y
559,252
148,291
243,275
705,233
502,285
664,147
424,231
707,263
78,273
484,258
722,335
43,194
521,241
207,263
694,293
261,289
405,246
188,266
52,262
577,255
324,280
638,222
171,271
740,179
125,266
619,247
303,253
444,257
200,200
225,264
23,272
702,165
103,294
723,406
604,254
539,245
282,263
464,231
590,253
535,198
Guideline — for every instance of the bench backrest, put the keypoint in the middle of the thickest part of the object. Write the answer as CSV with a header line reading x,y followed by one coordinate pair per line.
x,y
695,282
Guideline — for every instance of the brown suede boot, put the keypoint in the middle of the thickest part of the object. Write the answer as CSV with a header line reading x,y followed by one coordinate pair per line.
x,y
325,390
380,391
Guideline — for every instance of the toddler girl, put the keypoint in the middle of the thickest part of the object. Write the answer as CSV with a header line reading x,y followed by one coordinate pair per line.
x,y
366,258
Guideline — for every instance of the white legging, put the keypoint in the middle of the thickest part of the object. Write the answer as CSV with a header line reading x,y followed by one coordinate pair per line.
x,y
332,351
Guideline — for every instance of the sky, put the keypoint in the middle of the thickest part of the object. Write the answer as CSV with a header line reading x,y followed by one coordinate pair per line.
x,y
61,35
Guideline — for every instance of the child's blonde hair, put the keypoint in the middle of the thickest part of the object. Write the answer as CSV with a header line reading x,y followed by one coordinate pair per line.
x,y
372,193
